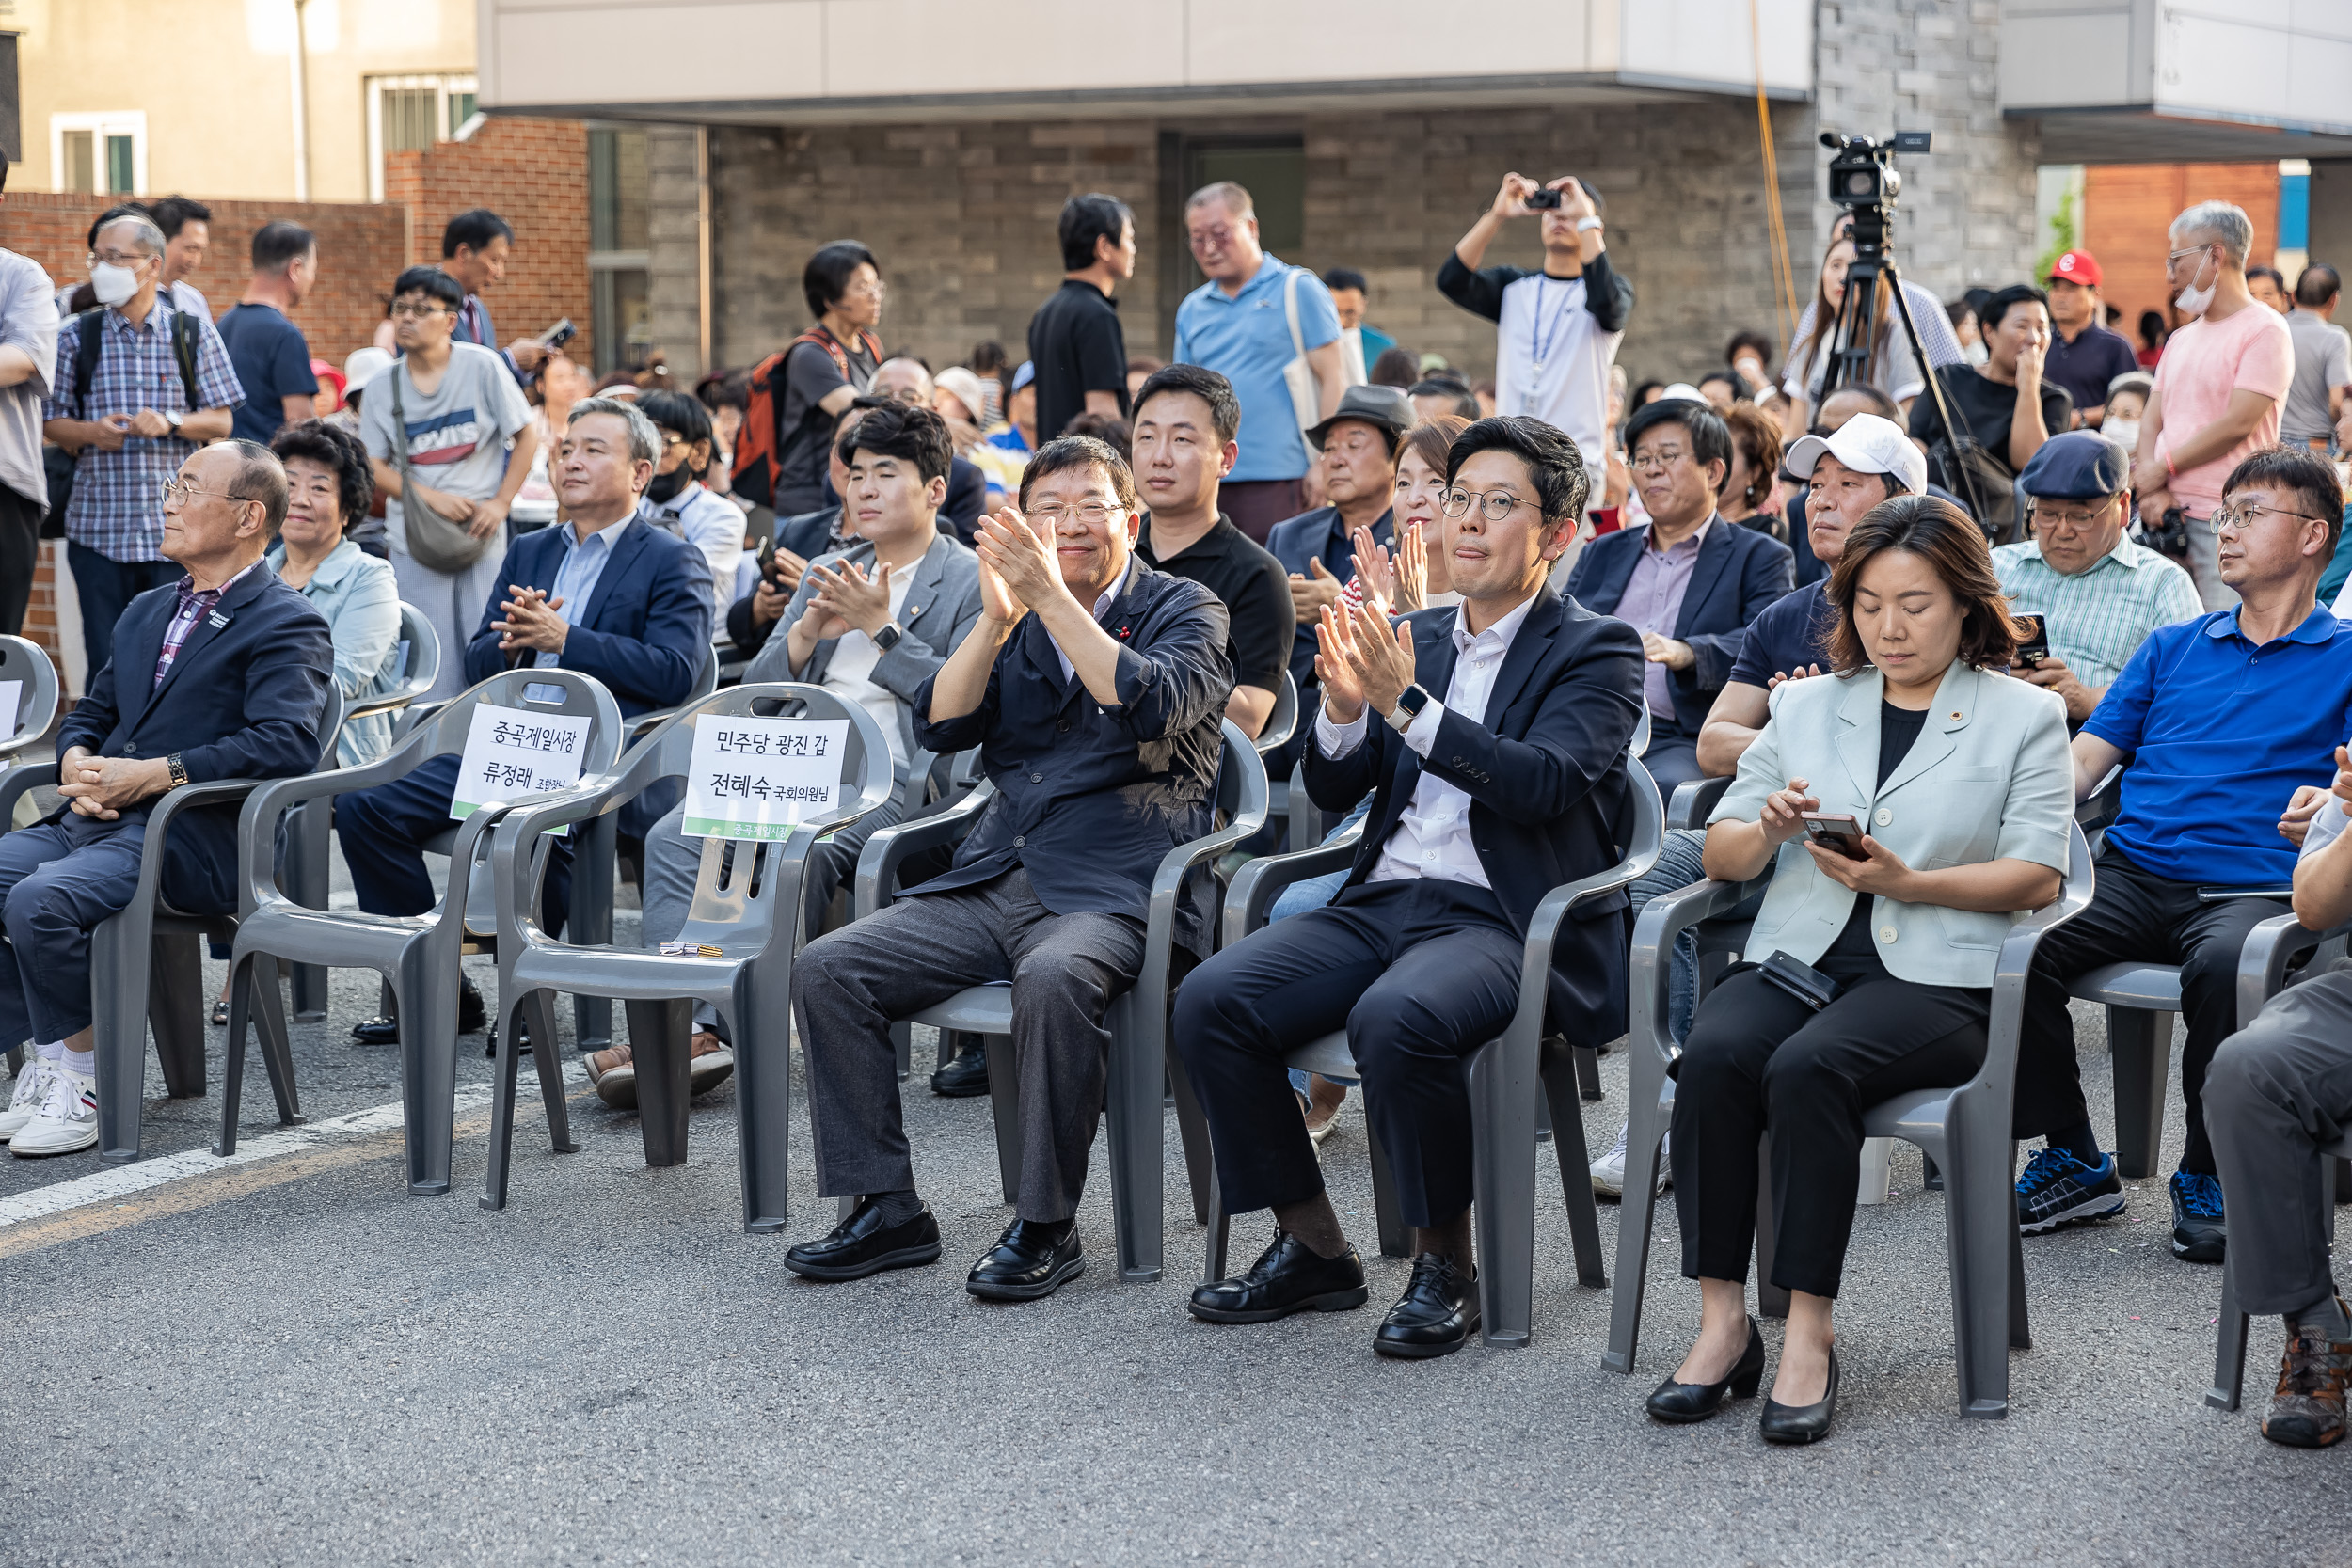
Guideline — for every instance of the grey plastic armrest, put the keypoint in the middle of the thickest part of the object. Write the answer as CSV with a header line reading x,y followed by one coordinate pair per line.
x,y
1543,933
1692,800
2005,1025
1256,884
19,782
878,862
168,806
2262,963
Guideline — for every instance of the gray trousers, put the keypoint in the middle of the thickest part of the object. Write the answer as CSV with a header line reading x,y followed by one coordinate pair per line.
x,y
2278,1091
849,986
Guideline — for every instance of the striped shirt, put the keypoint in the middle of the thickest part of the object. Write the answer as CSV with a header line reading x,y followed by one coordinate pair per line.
x,y
2097,619
118,504
192,604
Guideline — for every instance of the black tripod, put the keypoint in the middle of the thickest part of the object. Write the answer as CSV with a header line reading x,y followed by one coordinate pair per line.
x,y
1854,345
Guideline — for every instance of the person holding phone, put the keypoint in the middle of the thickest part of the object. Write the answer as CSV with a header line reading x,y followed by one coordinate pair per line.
x,y
1951,786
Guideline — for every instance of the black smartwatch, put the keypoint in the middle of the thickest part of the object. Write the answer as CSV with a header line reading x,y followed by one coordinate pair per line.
x,y
1408,708
888,637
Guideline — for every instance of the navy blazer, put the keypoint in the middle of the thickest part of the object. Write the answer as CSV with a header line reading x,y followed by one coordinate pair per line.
x,y
1089,799
644,633
1319,535
249,696
1544,769
1737,577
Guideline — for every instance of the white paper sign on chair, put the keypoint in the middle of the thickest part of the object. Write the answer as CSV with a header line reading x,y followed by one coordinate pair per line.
x,y
756,778
510,753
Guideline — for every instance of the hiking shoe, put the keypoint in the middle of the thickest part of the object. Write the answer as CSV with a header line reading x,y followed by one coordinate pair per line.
x,y
32,1087
68,1122
2307,1410
1608,1170
2059,1188
2199,1235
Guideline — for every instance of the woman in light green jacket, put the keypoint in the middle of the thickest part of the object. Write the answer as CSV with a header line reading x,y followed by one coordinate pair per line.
x,y
328,487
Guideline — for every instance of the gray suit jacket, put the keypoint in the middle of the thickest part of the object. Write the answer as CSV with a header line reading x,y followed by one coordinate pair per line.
x,y
941,603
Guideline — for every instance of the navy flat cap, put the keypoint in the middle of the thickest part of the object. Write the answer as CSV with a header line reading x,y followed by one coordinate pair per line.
x,y
2080,465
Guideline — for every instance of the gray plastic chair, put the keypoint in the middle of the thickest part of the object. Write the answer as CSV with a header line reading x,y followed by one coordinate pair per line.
x,y
1505,1078
750,912
22,660
1282,723
309,827
2229,1355
1964,1130
1139,1059
417,954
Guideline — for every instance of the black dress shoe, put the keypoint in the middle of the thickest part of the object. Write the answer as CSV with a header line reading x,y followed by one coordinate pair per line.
x,y
522,1039
384,1029
1289,1277
1684,1402
863,1244
1806,1423
1029,1260
964,1077
1437,1314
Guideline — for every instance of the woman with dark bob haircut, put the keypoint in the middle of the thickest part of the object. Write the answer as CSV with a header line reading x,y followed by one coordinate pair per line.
x,y
1948,793
327,489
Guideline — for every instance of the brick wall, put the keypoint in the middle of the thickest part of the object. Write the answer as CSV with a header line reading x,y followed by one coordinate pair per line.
x,y
361,246
2129,211
534,174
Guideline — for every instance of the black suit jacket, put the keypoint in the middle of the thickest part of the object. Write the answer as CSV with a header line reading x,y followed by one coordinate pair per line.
x,y
1090,798
1738,574
1544,770
247,698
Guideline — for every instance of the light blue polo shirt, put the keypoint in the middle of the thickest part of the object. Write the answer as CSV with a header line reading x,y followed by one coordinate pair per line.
x,y
2221,733
1246,340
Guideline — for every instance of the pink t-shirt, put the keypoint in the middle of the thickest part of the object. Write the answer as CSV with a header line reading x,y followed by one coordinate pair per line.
x,y
2204,363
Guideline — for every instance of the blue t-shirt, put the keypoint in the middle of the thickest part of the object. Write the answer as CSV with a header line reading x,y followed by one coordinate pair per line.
x,y
1246,340
272,360
1789,635
2221,733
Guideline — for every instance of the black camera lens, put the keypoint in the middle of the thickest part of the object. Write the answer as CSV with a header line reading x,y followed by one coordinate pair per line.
x,y
1860,183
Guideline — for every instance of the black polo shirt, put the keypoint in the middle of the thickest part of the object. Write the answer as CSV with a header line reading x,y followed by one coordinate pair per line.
x,y
1256,592
1079,347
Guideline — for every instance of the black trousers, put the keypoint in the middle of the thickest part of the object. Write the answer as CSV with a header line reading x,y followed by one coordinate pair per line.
x,y
1757,1058
1673,755
20,553
1420,973
2135,915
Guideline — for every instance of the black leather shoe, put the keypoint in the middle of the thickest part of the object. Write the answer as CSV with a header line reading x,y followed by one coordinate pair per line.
x,y
863,1244
1289,1277
1437,1314
1808,1423
1685,1402
964,1077
384,1029
1028,1262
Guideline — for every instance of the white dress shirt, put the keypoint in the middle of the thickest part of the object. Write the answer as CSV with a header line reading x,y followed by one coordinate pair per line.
x,y
1117,586
1432,838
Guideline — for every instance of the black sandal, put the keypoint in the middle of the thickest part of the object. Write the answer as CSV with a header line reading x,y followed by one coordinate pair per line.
x,y
220,1015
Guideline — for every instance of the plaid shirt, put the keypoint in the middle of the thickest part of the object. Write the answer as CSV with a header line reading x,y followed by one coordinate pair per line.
x,y
2097,619
118,504
192,604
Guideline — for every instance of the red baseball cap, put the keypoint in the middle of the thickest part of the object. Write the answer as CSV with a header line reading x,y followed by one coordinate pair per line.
x,y
2077,266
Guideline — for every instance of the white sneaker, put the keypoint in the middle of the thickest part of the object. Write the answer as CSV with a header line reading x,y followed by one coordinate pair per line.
x,y
68,1122
1608,1170
32,1087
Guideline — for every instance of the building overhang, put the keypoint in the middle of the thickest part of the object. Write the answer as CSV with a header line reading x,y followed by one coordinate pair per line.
x,y
2148,134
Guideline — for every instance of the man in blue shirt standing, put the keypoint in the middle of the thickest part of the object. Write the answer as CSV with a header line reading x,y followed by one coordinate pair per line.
x,y
2221,717
272,357
1253,318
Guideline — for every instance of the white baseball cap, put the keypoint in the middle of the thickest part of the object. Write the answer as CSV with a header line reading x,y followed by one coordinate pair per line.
x,y
364,365
1868,444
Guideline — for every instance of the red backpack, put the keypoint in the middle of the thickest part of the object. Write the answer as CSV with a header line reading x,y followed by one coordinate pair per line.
x,y
759,446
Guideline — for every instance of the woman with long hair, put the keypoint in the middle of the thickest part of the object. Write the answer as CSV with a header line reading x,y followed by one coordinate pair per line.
x,y
1893,369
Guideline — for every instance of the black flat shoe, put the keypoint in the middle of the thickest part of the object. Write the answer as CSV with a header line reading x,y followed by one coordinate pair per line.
x,y
1437,1314
1785,1423
1682,1403
966,1076
863,1244
1030,1261
384,1029
1289,1277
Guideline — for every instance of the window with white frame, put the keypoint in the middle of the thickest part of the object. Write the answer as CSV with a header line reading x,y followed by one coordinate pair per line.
x,y
94,154
618,191
409,111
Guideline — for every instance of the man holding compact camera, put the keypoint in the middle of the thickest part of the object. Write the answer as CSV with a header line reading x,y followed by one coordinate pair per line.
x,y
2097,594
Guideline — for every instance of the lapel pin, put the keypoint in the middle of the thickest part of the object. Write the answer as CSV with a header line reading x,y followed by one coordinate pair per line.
x,y
1122,631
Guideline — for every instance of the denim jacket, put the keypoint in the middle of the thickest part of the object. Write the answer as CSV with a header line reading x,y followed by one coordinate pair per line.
x,y
356,593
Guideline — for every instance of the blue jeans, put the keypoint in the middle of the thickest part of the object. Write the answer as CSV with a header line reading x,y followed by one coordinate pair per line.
x,y
1313,894
1677,868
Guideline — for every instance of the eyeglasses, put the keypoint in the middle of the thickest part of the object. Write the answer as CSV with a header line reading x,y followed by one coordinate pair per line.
x,y
670,438
2172,258
117,258
2041,515
1660,458
1090,513
1493,505
177,491
1217,238
2235,518
421,312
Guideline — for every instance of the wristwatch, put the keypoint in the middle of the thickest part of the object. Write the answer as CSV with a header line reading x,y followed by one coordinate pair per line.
x,y
1407,708
172,418
888,637
179,769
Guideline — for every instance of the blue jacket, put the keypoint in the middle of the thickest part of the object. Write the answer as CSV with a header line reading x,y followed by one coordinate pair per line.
x,y
1319,535
246,698
1090,798
1544,769
644,633
1738,573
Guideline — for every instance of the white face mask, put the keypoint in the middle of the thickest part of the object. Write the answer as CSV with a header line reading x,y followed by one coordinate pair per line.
x,y
2124,431
112,284
2192,300
1976,353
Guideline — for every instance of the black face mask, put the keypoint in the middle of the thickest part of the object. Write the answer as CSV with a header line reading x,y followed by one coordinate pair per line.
x,y
665,487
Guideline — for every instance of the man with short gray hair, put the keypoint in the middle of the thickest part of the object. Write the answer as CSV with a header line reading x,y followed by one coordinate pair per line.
x,y
2220,386
138,384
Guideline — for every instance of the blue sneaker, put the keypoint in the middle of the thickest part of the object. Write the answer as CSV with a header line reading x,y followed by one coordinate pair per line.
x,y
2199,1235
2059,1188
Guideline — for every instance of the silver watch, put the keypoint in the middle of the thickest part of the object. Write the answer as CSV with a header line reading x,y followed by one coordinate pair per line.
x,y
172,418
888,637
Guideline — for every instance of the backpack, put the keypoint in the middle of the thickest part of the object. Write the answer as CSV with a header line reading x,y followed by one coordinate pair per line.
x,y
759,446
57,464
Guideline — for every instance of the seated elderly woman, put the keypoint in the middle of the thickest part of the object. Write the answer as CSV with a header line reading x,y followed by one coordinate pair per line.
x,y
1910,805
328,487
